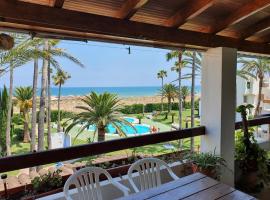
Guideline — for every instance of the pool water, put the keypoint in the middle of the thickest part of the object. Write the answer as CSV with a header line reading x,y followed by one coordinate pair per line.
x,y
129,119
140,128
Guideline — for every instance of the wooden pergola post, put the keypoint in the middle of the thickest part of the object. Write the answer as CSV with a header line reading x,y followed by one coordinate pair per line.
x,y
218,105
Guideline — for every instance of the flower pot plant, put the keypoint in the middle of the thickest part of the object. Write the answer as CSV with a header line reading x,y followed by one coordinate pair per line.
x,y
251,159
207,163
45,185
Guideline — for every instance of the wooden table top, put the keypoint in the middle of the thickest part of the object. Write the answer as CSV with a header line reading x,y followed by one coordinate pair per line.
x,y
192,187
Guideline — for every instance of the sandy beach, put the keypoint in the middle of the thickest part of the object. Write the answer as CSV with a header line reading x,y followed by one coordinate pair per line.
x,y
69,103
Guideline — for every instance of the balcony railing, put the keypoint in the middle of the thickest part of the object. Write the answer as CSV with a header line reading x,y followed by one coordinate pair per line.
x,y
16,162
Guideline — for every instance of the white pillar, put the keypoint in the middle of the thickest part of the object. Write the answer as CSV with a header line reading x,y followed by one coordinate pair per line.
x,y
218,100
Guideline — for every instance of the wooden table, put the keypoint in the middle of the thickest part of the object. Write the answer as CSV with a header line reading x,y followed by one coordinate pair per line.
x,y
193,187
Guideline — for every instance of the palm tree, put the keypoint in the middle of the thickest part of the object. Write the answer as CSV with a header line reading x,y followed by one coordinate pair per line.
x,y
170,92
100,110
59,79
26,49
37,43
23,101
9,60
41,116
173,115
51,50
178,68
140,117
49,138
34,109
193,59
256,68
185,93
162,74
10,95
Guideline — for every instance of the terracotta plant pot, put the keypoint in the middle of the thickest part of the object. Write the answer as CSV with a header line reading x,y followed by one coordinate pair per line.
x,y
211,172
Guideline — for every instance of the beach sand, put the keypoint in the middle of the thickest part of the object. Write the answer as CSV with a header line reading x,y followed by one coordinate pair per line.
x,y
69,103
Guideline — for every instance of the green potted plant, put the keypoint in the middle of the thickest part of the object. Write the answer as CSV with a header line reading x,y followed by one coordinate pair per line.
x,y
207,163
46,184
252,160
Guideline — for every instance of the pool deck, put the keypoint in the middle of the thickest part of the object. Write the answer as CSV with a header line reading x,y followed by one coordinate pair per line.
x,y
159,125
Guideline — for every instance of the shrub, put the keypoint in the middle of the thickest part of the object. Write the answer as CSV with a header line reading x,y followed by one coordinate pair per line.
x,y
63,114
174,106
47,182
17,134
149,107
187,105
17,119
54,115
132,109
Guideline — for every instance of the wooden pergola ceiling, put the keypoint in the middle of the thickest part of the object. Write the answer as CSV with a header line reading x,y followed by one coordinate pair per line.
x,y
241,24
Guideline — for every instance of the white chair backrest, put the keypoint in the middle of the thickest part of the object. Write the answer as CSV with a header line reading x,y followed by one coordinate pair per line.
x,y
149,173
87,183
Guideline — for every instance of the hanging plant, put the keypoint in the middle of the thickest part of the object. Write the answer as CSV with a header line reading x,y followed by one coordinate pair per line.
x,y
6,41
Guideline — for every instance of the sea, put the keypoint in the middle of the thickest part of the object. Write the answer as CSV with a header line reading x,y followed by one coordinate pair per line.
x,y
121,91
134,91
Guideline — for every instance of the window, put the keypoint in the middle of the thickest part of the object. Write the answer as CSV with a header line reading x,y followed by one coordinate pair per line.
x,y
248,85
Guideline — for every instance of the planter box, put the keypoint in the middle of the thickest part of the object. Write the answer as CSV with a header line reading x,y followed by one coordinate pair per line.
x,y
37,196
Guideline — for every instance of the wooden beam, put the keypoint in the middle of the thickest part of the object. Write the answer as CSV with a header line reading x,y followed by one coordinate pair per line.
x,y
258,27
243,12
129,8
33,15
191,10
59,3
265,38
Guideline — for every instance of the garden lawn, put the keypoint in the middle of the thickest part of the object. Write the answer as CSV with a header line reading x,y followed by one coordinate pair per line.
x,y
185,116
18,147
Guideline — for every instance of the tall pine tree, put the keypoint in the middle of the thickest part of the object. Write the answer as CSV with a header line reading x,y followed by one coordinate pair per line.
x,y
3,119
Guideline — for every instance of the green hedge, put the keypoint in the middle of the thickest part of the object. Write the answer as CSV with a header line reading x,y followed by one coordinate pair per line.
x,y
63,114
150,107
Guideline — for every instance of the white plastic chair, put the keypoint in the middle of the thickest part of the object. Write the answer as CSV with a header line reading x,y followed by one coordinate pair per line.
x,y
149,173
87,182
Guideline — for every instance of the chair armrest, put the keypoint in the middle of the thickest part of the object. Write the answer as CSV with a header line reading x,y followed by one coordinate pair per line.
x,y
123,188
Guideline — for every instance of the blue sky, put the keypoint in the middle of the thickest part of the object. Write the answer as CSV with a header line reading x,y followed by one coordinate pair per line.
x,y
106,65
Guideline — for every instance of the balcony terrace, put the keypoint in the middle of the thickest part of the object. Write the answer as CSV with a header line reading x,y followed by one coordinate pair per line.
x,y
218,29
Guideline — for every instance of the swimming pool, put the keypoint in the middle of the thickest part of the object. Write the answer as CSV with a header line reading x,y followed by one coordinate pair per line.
x,y
130,119
140,128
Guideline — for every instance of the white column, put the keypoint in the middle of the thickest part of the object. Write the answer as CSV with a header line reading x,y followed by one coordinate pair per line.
x,y
218,100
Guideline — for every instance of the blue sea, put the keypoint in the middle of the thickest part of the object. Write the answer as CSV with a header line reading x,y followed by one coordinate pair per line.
x,y
135,91
121,91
